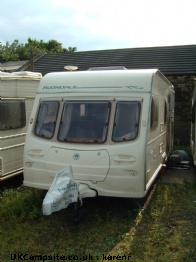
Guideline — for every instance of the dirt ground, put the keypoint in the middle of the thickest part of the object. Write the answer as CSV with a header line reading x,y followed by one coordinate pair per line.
x,y
179,175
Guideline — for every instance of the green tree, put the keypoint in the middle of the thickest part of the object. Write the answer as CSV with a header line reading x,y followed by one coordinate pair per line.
x,y
71,49
9,51
17,51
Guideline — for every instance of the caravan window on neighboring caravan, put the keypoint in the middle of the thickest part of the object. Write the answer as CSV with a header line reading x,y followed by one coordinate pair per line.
x,y
126,122
12,114
84,122
46,119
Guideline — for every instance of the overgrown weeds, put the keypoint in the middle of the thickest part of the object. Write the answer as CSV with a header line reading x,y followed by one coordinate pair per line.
x,y
20,204
168,229
166,232
25,230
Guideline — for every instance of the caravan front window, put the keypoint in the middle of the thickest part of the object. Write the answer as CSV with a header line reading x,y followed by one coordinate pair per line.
x,y
126,122
84,122
12,114
46,119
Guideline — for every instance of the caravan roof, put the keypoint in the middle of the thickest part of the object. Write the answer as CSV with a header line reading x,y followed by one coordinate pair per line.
x,y
19,84
112,80
20,75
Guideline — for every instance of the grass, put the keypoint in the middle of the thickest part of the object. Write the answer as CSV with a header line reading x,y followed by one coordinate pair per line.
x,y
164,231
167,231
25,230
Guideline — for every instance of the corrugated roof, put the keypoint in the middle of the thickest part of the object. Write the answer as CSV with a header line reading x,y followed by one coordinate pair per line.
x,y
13,66
168,59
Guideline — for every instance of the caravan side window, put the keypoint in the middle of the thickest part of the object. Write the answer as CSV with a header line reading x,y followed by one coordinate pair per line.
x,y
165,112
126,122
12,114
154,112
46,119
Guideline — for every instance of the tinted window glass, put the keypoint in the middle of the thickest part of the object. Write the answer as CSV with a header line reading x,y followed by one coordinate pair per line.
x,y
84,122
46,119
154,112
126,122
12,114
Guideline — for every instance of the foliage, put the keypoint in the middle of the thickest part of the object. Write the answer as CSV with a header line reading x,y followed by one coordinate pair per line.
x,y
16,51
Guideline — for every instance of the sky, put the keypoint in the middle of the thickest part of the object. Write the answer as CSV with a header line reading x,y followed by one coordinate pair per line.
x,y
99,24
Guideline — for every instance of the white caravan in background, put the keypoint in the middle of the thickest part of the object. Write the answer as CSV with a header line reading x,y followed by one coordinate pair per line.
x,y
17,94
193,127
114,127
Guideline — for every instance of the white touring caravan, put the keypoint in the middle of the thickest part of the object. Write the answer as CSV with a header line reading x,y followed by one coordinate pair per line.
x,y
17,94
193,127
114,127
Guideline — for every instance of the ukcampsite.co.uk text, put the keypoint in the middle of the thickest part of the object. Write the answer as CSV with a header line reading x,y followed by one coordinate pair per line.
x,y
56,257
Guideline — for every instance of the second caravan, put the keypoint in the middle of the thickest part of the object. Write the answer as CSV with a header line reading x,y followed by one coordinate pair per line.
x,y
17,94
193,127
114,127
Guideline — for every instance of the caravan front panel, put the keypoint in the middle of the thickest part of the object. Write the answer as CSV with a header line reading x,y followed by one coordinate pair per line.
x,y
97,122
